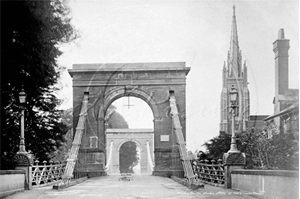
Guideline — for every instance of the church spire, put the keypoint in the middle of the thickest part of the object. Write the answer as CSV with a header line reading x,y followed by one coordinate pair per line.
x,y
234,51
234,75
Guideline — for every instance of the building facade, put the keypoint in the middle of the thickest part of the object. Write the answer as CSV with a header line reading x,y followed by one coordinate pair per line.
x,y
234,76
286,101
284,97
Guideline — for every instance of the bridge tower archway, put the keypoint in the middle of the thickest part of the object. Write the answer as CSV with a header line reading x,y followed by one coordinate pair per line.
x,y
150,82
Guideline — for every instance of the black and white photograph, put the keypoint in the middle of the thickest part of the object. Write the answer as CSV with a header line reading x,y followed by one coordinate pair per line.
x,y
149,99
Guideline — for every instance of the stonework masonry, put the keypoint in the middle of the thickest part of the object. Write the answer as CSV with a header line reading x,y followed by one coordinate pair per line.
x,y
150,82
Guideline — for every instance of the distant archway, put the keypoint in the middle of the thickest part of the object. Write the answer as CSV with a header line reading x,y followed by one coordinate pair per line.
x,y
143,139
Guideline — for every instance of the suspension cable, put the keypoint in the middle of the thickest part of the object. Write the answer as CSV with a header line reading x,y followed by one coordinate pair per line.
x,y
109,156
149,156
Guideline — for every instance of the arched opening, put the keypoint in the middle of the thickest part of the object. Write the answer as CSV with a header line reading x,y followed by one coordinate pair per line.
x,y
129,131
129,112
129,156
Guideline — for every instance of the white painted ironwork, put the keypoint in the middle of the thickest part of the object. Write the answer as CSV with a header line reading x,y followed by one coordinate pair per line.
x,y
188,170
47,173
109,156
150,162
212,173
72,157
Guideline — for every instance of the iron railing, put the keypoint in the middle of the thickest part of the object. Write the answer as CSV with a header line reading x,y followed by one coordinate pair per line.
x,y
209,172
47,174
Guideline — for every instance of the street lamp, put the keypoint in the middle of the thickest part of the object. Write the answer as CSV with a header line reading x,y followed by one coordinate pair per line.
x,y
22,99
233,94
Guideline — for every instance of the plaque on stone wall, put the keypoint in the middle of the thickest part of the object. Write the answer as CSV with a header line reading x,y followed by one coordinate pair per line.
x,y
164,138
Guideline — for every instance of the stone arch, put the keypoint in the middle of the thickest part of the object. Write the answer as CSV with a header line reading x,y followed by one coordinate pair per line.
x,y
116,93
131,140
150,82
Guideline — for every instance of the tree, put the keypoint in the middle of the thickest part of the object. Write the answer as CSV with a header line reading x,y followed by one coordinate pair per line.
x,y
279,152
31,34
114,119
128,157
67,117
253,144
217,146
61,153
201,155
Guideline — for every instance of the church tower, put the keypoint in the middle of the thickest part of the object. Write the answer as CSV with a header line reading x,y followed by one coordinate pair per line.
x,y
234,75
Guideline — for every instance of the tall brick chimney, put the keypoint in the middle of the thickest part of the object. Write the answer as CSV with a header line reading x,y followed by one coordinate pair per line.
x,y
281,47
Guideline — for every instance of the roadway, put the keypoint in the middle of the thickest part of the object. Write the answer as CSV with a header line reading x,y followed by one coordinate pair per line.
x,y
139,187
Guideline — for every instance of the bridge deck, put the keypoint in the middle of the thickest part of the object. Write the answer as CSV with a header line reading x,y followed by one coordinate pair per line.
x,y
138,187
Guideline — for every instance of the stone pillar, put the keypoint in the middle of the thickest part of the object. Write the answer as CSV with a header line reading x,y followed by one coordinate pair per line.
x,y
24,162
232,160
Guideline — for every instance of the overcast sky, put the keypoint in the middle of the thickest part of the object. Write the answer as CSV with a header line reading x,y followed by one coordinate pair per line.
x,y
195,32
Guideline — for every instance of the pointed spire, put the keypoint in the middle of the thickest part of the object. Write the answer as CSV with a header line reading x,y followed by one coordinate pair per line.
x,y
234,51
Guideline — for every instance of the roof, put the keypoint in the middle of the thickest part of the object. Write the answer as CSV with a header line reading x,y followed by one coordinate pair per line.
x,y
256,121
129,130
128,67
257,124
257,117
291,109
122,66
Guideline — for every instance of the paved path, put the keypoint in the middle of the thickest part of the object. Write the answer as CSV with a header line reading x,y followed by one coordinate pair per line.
x,y
140,187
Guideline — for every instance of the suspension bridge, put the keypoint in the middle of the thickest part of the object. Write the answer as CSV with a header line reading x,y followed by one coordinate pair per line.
x,y
93,155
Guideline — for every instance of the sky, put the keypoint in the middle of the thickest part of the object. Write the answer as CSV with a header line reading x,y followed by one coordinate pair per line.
x,y
136,112
196,32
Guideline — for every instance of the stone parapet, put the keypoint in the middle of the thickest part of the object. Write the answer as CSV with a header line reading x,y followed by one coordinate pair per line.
x,y
12,181
267,183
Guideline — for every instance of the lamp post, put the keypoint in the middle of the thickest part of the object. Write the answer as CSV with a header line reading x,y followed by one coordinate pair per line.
x,y
233,94
22,158
233,159
22,99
